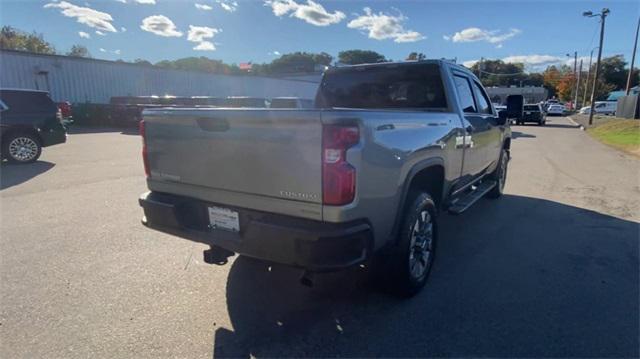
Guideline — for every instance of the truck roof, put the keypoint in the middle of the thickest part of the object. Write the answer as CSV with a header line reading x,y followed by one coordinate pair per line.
x,y
439,62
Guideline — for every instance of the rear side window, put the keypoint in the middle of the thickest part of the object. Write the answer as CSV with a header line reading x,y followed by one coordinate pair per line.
x,y
25,101
465,95
483,101
384,87
531,108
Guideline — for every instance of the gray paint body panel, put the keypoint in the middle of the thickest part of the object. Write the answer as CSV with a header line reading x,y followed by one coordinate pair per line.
x,y
265,151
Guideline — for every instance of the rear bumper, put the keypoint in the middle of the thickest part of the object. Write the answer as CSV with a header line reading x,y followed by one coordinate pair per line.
x,y
53,136
313,245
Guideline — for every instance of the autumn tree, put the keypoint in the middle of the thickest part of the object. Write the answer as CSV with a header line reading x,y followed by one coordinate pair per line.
x,y
14,39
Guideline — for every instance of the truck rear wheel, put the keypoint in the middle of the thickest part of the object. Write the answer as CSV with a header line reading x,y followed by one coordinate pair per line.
x,y
410,260
500,175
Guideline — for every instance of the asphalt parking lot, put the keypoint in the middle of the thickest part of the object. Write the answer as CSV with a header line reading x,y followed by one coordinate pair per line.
x,y
549,270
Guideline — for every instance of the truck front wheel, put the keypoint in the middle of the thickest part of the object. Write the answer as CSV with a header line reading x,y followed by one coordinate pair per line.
x,y
411,258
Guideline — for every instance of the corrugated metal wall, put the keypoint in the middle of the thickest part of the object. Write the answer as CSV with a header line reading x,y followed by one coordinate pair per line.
x,y
96,81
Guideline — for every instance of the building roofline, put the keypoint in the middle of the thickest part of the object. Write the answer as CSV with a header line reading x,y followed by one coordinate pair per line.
x,y
74,58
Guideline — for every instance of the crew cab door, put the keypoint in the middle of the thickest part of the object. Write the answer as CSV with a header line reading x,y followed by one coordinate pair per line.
x,y
491,134
480,127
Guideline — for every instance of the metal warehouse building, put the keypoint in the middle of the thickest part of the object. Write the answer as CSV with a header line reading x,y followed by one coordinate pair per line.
x,y
80,80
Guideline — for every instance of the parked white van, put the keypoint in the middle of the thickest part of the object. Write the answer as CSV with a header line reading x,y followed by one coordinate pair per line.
x,y
602,108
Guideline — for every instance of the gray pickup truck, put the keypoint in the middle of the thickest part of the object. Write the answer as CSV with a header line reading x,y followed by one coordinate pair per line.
x,y
358,179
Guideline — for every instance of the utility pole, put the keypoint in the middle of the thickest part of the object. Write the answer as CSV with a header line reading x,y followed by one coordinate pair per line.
x,y
586,84
603,16
578,85
576,77
633,58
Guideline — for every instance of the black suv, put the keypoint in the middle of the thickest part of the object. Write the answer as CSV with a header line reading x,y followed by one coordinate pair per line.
x,y
533,113
29,120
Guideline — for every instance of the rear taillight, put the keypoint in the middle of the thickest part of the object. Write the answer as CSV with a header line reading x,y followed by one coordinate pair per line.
x,y
338,176
145,156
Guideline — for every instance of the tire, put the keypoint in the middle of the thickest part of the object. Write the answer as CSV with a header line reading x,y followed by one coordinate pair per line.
x,y
500,175
410,260
21,147
540,123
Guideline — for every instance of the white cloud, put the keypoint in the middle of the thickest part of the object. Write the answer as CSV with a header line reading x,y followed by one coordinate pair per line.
x,y
102,50
205,46
117,52
499,46
122,1
85,15
228,5
202,35
383,26
160,25
123,29
469,63
98,32
146,2
474,34
203,7
84,35
275,53
311,12
534,60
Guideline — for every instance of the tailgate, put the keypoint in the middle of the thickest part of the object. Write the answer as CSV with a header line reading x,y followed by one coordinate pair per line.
x,y
252,152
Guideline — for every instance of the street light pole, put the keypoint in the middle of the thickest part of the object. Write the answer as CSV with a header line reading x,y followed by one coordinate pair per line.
x,y
603,16
575,65
575,62
586,84
633,58
578,84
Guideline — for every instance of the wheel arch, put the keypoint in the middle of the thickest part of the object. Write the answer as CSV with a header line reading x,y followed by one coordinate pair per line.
x,y
428,175
22,129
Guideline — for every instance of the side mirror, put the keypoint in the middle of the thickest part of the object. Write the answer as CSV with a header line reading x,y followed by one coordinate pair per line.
x,y
502,117
515,106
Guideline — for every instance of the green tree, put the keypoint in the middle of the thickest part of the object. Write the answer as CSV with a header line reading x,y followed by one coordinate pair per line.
x,y
354,57
298,62
14,39
614,73
500,73
416,56
201,63
79,51
142,62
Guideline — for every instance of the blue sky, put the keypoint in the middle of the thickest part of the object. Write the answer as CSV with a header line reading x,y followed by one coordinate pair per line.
x,y
537,32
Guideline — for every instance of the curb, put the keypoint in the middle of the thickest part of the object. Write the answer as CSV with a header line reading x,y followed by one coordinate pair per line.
x,y
575,123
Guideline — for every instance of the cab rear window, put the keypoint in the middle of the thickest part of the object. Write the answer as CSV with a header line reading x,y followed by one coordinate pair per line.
x,y
383,87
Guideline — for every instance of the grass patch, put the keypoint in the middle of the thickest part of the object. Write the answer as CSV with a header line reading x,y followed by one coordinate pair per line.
x,y
621,134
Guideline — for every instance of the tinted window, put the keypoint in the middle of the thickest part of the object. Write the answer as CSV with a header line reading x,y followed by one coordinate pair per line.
x,y
531,108
25,101
465,96
382,87
483,101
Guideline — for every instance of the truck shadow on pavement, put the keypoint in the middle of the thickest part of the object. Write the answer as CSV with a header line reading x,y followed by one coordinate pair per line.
x,y
15,174
515,277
